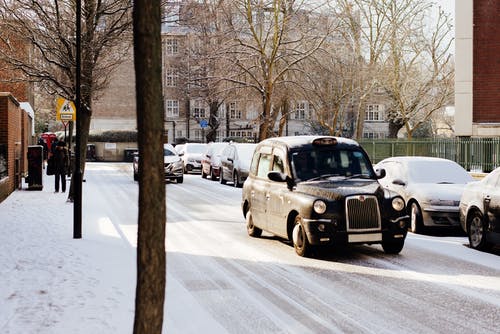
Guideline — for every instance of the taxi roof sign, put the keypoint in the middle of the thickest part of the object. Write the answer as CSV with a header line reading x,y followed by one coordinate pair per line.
x,y
65,110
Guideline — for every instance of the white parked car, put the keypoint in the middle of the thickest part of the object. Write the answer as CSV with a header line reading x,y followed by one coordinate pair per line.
x,y
191,154
480,211
431,188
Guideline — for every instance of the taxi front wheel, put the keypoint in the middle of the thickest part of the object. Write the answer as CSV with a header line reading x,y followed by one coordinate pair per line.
x,y
300,242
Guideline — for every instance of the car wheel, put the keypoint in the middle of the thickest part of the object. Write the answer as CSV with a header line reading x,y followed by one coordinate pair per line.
x,y
180,179
476,231
393,246
221,177
416,222
136,176
212,175
252,230
203,174
299,238
236,181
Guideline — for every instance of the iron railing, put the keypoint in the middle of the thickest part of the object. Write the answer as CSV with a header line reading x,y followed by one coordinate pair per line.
x,y
474,154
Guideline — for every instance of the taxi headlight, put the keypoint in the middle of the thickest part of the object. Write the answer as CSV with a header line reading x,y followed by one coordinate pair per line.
x,y
319,206
398,203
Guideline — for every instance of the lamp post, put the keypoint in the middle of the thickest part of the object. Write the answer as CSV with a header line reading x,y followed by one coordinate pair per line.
x,y
77,175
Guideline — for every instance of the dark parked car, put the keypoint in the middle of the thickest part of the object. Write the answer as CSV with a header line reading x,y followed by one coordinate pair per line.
x,y
235,163
174,169
431,188
480,211
321,190
210,160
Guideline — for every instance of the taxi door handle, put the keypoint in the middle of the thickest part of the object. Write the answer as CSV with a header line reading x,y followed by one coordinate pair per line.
x,y
268,196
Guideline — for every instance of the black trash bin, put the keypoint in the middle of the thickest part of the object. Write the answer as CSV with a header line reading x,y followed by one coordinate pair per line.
x,y
35,166
128,154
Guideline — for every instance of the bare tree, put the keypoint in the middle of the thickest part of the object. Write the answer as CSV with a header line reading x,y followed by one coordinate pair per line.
x,y
270,39
151,258
48,26
420,72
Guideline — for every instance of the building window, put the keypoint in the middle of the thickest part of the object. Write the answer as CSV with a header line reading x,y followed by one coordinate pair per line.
x,y
172,108
373,135
234,111
172,46
198,109
300,110
172,77
374,112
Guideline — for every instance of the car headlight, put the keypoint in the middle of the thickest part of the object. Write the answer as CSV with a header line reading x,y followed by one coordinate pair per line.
x,y
319,206
398,203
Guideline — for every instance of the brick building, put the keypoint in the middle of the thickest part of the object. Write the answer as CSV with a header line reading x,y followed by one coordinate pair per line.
x,y
16,122
477,73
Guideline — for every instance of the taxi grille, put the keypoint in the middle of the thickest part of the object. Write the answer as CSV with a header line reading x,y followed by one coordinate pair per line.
x,y
362,213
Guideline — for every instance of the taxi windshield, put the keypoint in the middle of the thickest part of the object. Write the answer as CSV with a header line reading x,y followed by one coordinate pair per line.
x,y
325,162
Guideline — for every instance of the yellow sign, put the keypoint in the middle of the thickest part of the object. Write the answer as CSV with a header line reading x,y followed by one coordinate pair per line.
x,y
65,110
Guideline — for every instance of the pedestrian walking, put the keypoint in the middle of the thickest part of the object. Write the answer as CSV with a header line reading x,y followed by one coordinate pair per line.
x,y
60,165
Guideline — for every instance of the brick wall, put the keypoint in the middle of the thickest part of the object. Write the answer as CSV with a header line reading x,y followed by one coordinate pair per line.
x,y
11,134
486,70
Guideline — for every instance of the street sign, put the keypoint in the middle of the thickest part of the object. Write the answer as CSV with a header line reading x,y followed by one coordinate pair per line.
x,y
203,123
65,110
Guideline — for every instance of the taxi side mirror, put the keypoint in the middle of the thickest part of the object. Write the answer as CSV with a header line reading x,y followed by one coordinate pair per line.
x,y
281,177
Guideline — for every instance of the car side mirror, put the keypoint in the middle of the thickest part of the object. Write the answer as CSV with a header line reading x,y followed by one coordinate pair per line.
x,y
380,173
399,182
281,177
230,159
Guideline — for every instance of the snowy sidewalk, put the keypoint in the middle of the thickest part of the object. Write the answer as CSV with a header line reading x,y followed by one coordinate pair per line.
x,y
52,283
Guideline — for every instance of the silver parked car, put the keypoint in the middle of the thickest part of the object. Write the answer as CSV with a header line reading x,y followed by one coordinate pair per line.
x,y
172,163
480,211
235,163
431,188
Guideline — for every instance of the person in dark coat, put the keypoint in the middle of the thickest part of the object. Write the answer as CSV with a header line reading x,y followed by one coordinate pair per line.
x,y
60,163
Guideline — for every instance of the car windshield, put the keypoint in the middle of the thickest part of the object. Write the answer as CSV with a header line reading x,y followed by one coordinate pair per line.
x,y
437,172
168,152
325,162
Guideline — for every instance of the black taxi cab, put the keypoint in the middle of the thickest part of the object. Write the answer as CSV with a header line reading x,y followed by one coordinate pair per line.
x,y
318,190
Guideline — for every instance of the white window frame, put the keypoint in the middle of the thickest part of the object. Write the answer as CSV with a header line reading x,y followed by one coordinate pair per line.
x,y
172,46
374,113
234,111
171,108
198,109
300,110
171,77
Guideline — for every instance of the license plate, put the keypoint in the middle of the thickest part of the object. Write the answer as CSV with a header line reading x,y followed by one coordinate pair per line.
x,y
371,237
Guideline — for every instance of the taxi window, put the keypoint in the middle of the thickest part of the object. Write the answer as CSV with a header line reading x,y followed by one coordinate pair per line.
x,y
264,165
278,164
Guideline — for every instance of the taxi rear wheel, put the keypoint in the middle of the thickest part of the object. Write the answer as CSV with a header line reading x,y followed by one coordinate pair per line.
x,y
299,238
252,230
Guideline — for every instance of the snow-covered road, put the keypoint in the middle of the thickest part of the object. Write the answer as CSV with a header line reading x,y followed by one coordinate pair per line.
x,y
220,280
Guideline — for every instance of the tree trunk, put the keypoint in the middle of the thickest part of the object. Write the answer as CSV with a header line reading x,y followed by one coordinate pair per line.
x,y
151,257
394,129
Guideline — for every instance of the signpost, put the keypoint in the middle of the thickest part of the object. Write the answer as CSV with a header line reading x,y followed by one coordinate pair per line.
x,y
65,110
